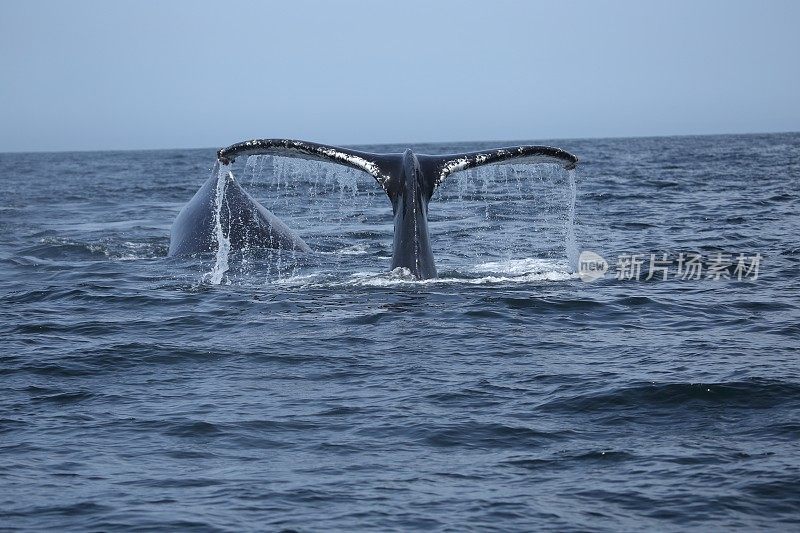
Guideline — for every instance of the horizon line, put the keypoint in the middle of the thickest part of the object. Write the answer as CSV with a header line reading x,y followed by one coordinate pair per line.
x,y
350,145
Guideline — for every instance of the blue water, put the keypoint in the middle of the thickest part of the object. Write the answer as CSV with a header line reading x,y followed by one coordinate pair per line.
x,y
323,393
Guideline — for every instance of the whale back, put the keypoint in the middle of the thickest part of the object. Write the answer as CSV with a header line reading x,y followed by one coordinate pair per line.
x,y
243,220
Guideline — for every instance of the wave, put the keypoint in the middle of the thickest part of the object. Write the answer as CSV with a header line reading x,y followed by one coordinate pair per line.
x,y
751,394
55,250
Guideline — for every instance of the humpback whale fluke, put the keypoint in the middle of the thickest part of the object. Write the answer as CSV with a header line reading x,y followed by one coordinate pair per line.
x,y
408,179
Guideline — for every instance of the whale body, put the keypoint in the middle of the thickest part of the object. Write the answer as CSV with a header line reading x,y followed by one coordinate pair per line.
x,y
408,179
242,220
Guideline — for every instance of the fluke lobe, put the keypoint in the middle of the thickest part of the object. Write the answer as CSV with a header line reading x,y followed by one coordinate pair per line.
x,y
408,179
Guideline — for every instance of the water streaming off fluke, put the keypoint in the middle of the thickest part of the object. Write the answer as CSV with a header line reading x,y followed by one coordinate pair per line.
x,y
492,214
217,273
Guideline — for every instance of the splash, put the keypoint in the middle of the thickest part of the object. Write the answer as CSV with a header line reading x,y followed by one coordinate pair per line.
x,y
569,240
508,211
217,274
329,205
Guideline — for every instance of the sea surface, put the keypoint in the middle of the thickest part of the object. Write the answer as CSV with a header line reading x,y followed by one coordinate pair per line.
x,y
321,392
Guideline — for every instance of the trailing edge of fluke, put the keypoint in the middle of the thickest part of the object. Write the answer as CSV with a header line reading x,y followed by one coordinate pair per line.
x,y
408,179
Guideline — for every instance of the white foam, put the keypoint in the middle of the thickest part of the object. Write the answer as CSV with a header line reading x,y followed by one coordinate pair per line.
x,y
512,271
301,281
521,267
377,280
356,249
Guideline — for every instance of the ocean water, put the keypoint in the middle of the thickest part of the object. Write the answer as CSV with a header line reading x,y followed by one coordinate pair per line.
x,y
321,392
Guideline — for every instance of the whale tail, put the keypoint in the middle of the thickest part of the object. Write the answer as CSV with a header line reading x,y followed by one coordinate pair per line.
x,y
408,179
387,168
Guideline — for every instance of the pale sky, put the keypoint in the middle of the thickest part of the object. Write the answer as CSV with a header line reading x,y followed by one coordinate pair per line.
x,y
96,75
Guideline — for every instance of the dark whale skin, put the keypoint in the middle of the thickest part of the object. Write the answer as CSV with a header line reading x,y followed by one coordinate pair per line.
x,y
244,221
